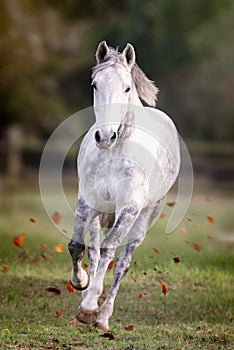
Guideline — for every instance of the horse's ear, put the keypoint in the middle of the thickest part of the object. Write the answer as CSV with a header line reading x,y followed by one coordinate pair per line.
x,y
129,54
102,52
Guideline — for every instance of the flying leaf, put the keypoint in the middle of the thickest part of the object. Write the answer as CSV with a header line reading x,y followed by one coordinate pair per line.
x,y
145,273
140,296
34,261
196,247
111,264
44,257
209,237
183,230
162,216
42,245
70,288
86,266
108,335
56,217
156,250
171,204
32,220
54,290
164,289
129,328
5,268
18,241
176,260
209,220
58,313
59,248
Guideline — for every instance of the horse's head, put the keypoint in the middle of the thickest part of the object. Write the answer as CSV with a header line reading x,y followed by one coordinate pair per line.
x,y
113,91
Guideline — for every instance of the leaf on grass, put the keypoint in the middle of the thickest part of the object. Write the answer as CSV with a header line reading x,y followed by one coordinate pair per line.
x,y
59,248
32,220
164,289
129,328
111,265
209,220
70,288
5,268
18,241
54,290
176,260
86,266
19,276
58,313
171,204
42,245
44,257
145,273
140,296
209,237
34,261
196,247
56,217
72,322
156,250
108,335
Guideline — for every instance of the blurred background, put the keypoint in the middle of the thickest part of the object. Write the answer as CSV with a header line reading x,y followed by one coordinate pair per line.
x,y
47,49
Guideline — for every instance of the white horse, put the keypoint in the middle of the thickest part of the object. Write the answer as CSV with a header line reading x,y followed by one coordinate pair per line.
x,y
125,170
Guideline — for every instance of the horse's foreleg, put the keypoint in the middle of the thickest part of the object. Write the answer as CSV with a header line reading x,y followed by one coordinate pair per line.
x,y
87,312
135,237
83,216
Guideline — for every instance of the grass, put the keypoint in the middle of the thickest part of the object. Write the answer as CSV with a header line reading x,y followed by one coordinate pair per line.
x,y
196,312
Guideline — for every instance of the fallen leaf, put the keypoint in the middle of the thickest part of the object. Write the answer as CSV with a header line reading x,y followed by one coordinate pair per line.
x,y
164,289
44,257
209,220
176,260
196,247
145,273
56,217
59,248
129,328
70,288
140,296
209,237
54,290
171,204
156,250
19,276
58,313
111,264
72,322
108,335
42,245
18,241
5,268
34,261
32,220
86,266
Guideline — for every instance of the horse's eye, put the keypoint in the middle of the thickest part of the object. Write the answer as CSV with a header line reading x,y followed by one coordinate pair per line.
x,y
94,85
128,89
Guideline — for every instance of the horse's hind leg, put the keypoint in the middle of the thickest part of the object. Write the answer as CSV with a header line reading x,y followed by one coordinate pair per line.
x,y
83,216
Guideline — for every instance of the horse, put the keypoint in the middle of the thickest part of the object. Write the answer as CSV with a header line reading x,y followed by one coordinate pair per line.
x,y
124,175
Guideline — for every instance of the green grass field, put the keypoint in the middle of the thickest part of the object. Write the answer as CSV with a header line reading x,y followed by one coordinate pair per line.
x,y
196,313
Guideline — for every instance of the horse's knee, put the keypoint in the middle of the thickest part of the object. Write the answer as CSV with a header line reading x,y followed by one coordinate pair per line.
x,y
76,249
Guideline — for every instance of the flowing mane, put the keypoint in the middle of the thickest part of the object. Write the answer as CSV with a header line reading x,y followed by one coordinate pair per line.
x,y
146,88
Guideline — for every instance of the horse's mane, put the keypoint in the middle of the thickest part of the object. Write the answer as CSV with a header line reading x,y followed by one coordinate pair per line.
x,y
146,88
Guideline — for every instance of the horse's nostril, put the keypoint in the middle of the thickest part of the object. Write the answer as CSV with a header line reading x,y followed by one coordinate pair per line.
x,y
113,136
97,137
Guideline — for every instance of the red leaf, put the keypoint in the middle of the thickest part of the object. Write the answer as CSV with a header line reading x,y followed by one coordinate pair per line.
x,y
209,220
32,220
176,260
140,296
111,264
59,248
18,241
196,247
171,204
44,257
156,250
164,289
183,230
72,322
54,290
108,335
42,245
70,288
58,313
34,261
86,266
5,268
129,328
56,217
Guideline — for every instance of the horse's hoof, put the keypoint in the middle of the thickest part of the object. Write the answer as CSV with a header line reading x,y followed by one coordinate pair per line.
x,y
86,316
101,326
76,286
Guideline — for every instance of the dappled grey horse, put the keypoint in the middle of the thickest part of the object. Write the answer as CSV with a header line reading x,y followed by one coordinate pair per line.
x,y
125,170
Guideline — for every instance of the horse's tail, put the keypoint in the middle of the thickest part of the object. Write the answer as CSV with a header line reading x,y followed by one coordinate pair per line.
x,y
107,220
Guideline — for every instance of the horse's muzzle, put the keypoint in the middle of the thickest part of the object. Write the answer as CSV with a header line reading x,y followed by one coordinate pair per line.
x,y
104,142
